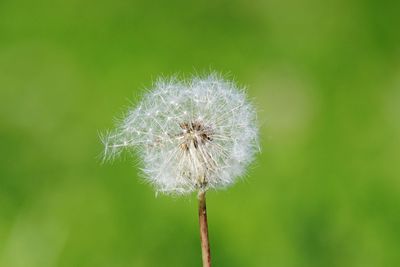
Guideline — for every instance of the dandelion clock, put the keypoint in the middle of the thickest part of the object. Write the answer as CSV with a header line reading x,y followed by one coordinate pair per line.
x,y
191,136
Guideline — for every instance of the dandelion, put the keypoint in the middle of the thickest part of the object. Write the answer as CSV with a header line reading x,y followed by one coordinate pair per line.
x,y
191,136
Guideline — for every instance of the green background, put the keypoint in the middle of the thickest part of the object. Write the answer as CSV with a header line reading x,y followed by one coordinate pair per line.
x,y
324,76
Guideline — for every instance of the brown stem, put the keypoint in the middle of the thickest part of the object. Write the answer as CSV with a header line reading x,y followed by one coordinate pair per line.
x,y
205,244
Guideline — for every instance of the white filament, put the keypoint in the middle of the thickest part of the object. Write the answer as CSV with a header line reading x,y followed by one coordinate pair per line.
x,y
190,135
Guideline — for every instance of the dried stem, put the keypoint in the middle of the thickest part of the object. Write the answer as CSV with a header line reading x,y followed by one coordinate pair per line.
x,y
205,244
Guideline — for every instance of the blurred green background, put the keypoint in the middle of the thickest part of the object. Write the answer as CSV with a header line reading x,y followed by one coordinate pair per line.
x,y
324,75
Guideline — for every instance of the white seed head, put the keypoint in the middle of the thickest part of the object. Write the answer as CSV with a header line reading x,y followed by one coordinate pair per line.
x,y
191,135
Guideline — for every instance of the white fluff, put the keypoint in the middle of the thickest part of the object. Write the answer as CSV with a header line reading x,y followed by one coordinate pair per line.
x,y
190,135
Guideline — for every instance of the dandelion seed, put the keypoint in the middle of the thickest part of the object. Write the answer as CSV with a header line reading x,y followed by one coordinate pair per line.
x,y
194,135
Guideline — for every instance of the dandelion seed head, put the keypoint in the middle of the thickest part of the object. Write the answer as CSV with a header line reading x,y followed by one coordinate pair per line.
x,y
191,135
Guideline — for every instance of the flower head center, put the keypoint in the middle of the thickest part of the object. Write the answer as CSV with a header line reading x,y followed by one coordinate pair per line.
x,y
194,134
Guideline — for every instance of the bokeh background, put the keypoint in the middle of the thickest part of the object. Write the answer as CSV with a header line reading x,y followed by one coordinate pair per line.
x,y
324,75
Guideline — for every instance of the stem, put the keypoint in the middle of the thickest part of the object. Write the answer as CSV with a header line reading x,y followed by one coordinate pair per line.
x,y
205,244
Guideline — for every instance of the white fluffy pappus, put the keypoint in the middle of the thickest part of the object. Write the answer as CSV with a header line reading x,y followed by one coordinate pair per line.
x,y
190,135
